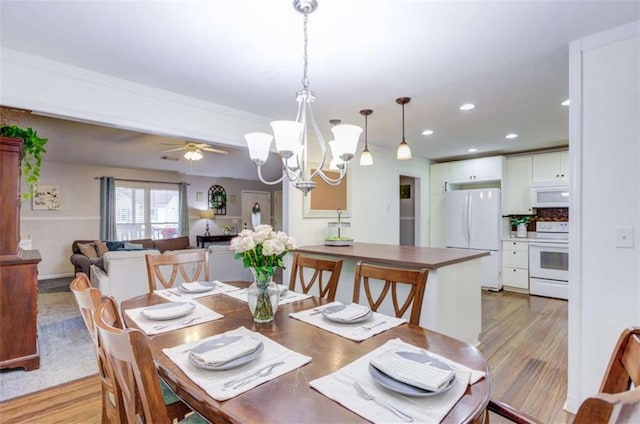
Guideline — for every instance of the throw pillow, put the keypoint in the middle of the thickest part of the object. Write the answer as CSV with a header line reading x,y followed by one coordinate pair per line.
x,y
132,246
115,245
88,250
101,247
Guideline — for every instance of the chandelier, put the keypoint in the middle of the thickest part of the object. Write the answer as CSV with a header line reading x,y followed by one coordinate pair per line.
x,y
291,137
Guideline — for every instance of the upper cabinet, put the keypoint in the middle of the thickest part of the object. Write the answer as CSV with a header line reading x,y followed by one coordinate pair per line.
x,y
473,170
438,177
551,168
516,187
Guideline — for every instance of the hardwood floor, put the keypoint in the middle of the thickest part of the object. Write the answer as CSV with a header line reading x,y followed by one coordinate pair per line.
x,y
524,338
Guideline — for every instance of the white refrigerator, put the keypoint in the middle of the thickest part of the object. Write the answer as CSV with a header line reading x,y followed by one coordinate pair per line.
x,y
472,221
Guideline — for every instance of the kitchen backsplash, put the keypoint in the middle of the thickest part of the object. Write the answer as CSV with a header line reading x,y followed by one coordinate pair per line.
x,y
545,214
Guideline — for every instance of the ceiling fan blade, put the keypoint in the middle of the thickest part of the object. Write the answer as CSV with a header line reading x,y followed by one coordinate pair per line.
x,y
176,149
211,149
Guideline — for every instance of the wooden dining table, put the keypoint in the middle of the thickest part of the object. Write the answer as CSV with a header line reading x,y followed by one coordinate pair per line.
x,y
289,398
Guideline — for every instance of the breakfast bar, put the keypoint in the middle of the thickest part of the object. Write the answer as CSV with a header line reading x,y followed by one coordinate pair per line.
x,y
452,299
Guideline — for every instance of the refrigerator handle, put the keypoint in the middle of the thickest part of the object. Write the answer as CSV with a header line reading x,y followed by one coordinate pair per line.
x,y
469,208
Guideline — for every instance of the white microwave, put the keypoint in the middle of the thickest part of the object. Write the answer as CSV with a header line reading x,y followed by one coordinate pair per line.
x,y
550,197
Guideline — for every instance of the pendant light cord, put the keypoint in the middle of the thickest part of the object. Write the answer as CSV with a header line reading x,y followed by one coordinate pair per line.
x,y
403,122
366,119
305,78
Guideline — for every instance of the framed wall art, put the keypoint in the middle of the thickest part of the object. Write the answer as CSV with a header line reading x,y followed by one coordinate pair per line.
x,y
46,198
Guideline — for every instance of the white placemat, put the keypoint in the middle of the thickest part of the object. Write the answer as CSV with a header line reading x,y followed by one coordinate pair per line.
x,y
289,297
356,331
199,315
213,381
339,387
174,294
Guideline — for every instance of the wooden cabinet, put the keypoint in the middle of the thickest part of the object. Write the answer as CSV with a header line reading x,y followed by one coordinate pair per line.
x,y
472,170
551,168
516,187
515,265
18,270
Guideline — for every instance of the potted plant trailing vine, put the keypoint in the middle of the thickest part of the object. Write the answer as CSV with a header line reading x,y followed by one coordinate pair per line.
x,y
33,147
521,225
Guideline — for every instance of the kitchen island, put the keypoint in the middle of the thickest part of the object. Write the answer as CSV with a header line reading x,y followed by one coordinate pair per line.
x,y
452,299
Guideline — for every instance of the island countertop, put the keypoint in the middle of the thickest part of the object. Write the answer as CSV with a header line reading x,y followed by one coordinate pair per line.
x,y
424,257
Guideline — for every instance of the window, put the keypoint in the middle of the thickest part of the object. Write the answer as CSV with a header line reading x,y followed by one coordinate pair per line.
x,y
146,211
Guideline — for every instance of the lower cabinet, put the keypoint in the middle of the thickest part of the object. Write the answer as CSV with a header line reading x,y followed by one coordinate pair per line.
x,y
515,266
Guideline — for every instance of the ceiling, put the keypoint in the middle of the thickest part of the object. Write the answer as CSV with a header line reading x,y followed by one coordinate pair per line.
x,y
510,58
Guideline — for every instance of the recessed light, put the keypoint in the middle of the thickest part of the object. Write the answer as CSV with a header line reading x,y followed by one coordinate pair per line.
x,y
511,136
427,132
472,150
467,106
566,102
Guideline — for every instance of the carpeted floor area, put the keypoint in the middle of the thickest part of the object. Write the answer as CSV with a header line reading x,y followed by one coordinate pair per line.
x,y
66,350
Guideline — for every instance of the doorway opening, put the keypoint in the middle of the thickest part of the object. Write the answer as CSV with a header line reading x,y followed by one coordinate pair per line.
x,y
407,211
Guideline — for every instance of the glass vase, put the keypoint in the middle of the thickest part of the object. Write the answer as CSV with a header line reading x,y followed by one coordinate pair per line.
x,y
263,295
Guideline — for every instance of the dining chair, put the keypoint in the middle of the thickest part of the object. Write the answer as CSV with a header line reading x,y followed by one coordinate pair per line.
x,y
302,266
129,354
394,278
622,372
88,299
171,268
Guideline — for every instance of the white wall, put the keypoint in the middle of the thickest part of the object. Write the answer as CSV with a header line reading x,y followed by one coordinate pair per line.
x,y
604,146
373,200
53,232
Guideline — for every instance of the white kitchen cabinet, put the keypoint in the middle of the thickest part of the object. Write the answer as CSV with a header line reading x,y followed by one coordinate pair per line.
x,y
473,170
516,187
438,177
436,221
551,168
515,265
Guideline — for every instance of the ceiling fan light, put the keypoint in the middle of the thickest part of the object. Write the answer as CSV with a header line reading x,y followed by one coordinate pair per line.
x,y
288,136
404,151
366,159
193,154
259,145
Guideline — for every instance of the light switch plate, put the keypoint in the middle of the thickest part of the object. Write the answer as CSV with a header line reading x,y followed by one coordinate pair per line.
x,y
624,237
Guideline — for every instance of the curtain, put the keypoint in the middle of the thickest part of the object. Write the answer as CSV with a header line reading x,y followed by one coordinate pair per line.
x,y
183,226
107,208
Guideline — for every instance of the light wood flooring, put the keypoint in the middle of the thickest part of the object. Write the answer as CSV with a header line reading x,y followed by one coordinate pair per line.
x,y
524,338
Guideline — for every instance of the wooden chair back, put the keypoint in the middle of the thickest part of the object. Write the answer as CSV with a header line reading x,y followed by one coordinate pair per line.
x,y
88,300
130,356
414,279
191,266
624,365
301,267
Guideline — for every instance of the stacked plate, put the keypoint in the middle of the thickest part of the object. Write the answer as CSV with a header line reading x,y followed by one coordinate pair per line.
x,y
166,311
225,352
347,314
197,286
416,374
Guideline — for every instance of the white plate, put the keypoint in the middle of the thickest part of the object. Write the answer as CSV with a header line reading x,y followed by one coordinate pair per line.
x,y
283,289
218,343
407,389
328,311
206,286
181,309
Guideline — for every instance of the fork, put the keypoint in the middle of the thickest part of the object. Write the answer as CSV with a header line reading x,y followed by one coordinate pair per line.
x,y
183,322
367,396
372,326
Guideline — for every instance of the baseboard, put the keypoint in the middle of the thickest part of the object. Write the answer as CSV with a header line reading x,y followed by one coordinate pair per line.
x,y
52,276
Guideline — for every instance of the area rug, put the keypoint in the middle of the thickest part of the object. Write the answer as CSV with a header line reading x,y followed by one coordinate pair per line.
x,y
66,350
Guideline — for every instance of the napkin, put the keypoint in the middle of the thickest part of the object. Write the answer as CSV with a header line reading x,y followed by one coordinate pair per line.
x,y
351,312
174,294
166,310
417,374
200,314
236,349
197,286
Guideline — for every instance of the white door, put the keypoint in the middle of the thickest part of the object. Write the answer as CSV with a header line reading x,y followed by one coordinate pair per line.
x,y
456,222
256,208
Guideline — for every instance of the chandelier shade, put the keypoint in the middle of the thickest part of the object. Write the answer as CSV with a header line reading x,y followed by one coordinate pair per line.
x,y
404,151
291,137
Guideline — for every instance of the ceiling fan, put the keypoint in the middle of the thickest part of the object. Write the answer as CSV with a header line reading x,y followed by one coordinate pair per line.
x,y
194,150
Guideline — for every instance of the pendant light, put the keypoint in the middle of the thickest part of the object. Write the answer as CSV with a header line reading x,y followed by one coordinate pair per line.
x,y
365,158
404,152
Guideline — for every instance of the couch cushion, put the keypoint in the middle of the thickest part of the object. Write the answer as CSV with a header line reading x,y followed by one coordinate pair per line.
x,y
177,243
88,249
132,246
74,246
146,243
101,247
115,245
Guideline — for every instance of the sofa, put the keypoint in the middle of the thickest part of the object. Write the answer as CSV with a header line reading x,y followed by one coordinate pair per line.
x,y
90,252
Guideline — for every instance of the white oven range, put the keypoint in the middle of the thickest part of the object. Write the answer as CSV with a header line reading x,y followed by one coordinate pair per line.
x,y
549,260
